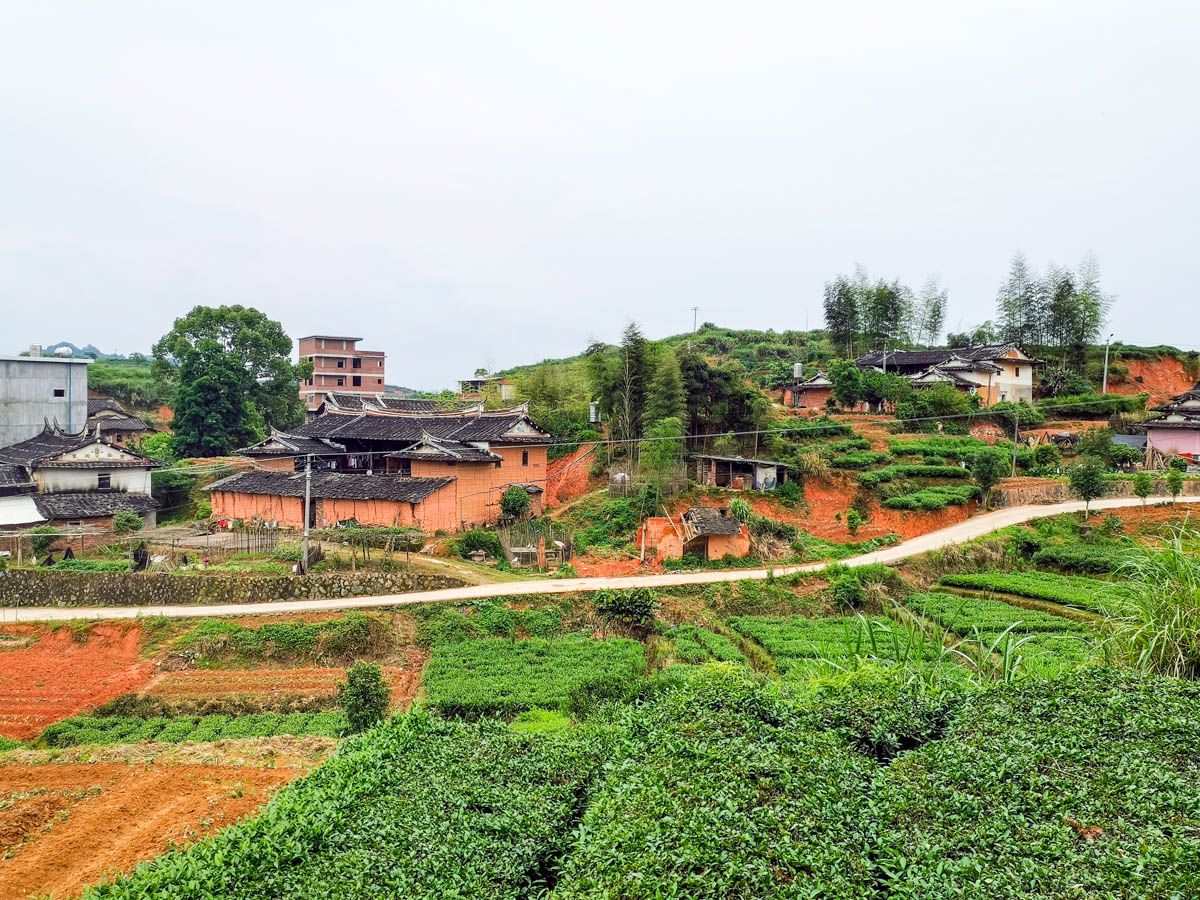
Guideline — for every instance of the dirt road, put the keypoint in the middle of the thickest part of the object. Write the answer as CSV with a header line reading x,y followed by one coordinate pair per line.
x,y
954,534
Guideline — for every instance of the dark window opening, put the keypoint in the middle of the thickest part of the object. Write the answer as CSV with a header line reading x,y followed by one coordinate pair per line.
x,y
524,457
103,480
356,380
341,382
405,469
379,381
59,392
357,364
341,364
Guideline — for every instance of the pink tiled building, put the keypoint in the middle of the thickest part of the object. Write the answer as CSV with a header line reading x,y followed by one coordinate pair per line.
x,y
338,365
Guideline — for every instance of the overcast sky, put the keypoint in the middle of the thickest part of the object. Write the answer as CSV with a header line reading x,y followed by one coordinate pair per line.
x,y
487,184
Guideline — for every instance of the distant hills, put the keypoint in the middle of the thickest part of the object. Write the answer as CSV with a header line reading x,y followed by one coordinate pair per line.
x,y
91,350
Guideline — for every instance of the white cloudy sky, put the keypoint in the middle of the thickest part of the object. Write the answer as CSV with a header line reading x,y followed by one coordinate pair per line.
x,y
471,184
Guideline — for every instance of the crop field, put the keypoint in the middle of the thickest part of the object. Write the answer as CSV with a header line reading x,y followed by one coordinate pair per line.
x,y
699,645
1085,593
86,730
63,826
484,676
966,615
58,675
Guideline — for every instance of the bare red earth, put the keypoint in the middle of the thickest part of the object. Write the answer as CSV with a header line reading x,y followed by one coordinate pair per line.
x,y
58,677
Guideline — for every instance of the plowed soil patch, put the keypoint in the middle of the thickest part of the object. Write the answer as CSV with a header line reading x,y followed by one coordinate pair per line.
x,y
108,817
266,684
58,677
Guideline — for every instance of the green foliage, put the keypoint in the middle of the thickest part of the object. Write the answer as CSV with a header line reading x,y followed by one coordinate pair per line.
x,y
666,398
1085,558
970,615
1047,455
108,730
1070,590
515,502
875,477
156,446
175,491
699,645
42,538
1087,481
847,382
661,453
633,607
1096,406
478,539
854,520
741,509
961,448
1174,483
355,634
932,498
364,695
987,810
416,808
132,383
93,565
214,410
126,521
848,592
1008,415
496,676
378,537
989,466
925,409
860,459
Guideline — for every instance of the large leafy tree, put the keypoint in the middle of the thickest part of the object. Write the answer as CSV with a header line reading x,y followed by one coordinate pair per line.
x,y
214,412
666,398
841,314
847,382
250,350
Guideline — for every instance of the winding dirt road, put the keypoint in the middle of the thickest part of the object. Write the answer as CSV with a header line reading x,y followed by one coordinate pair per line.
x,y
944,537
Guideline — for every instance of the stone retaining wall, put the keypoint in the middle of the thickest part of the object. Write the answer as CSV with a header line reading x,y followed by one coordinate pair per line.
x,y
1060,492
26,587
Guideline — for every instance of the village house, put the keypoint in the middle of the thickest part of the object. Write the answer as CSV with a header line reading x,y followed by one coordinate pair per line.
x,y
483,387
706,532
738,473
459,462
1176,428
73,481
814,392
995,373
338,364
37,389
119,426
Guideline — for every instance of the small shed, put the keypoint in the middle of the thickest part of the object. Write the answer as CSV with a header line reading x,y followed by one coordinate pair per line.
x,y
740,473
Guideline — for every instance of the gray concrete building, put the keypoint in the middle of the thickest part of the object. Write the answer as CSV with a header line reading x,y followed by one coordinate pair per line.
x,y
35,390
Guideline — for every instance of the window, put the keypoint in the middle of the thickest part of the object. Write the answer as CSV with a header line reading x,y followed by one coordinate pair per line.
x,y
341,382
78,524
379,363
524,457
356,380
341,364
379,381
59,392
103,480
120,438
1017,371
357,363
405,469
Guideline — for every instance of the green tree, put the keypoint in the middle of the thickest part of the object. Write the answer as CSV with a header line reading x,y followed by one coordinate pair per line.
x,y
1020,307
126,521
1097,442
1143,486
841,314
929,313
847,382
364,695
1174,484
661,451
259,346
1087,482
878,388
214,415
989,466
42,539
156,446
514,502
632,381
666,398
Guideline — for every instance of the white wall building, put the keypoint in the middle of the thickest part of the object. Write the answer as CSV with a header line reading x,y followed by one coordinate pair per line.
x,y
35,390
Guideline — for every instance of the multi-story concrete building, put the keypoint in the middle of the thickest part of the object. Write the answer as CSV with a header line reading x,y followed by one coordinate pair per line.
x,y
338,365
38,389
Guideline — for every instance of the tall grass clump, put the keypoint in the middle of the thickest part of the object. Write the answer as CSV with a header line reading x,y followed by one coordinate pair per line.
x,y
1155,620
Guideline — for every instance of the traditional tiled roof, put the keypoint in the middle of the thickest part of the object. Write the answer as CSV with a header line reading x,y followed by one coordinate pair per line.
x,y
102,404
908,359
711,520
473,427
15,480
53,442
941,374
341,400
290,444
1182,411
332,486
107,413
91,504
445,451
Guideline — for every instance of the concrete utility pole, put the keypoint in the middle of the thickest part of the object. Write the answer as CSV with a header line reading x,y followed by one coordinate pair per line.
x,y
695,310
1104,389
307,507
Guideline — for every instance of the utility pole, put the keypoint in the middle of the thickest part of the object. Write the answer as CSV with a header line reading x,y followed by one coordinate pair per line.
x,y
307,507
1016,439
1104,389
695,310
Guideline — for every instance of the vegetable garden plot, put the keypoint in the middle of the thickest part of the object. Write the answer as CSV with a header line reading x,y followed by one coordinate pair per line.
x,y
699,645
130,729
418,807
496,676
1070,590
967,614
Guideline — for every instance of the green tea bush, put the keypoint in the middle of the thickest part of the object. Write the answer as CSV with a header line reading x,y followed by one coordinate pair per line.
x,y
967,615
1083,558
889,473
860,459
494,676
1085,593
699,645
960,448
634,607
364,695
355,634
109,730
933,498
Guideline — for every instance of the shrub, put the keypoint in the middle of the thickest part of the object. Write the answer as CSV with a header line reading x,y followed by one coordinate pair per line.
x,y
854,520
1082,558
848,592
858,460
42,538
789,492
126,521
364,695
1047,455
93,565
635,607
1070,590
514,502
890,473
1087,482
478,539
932,498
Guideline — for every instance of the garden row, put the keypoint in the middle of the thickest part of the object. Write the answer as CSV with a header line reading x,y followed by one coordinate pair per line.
x,y
1069,590
106,730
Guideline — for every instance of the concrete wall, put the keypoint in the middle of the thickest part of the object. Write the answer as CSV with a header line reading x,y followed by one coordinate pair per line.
x,y
27,400
1060,492
136,481
25,587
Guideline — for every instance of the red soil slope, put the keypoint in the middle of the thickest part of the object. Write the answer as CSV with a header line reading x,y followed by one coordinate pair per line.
x,y
1163,378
